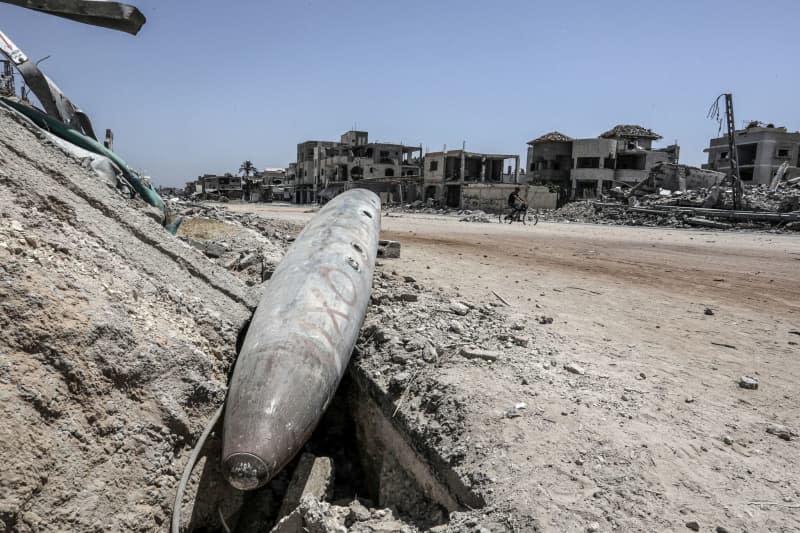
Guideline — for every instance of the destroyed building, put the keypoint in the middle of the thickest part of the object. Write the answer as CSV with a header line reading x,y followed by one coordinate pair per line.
x,y
585,168
225,187
448,172
325,168
761,150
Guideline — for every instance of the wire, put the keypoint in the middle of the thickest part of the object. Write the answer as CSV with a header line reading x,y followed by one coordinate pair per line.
x,y
187,470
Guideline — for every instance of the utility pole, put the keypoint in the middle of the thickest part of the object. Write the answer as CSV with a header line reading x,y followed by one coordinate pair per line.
x,y
733,156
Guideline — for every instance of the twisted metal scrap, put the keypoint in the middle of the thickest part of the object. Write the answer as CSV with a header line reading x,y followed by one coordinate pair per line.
x,y
103,13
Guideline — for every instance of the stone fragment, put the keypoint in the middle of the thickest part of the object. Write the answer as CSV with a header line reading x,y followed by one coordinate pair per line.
x,y
781,431
456,327
214,250
313,476
748,382
358,513
478,353
458,308
693,525
521,341
389,249
574,368
408,297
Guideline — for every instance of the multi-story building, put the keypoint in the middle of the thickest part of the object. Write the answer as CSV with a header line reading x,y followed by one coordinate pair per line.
x,y
333,166
761,149
586,167
448,172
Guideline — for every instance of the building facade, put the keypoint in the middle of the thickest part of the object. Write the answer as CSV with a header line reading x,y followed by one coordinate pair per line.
x,y
325,168
584,168
447,173
761,149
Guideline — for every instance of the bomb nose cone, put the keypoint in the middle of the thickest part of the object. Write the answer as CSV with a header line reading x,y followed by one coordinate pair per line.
x,y
245,471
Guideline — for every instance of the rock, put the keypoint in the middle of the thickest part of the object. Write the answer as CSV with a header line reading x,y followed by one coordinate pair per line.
x,y
416,344
521,341
709,311
458,308
382,336
693,525
429,354
593,527
781,431
748,382
478,353
574,368
409,279
248,261
408,297
545,319
15,225
358,513
727,440
389,249
456,327
313,476
721,529
400,358
214,250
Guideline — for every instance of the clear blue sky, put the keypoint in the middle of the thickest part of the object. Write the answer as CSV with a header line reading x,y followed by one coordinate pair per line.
x,y
206,85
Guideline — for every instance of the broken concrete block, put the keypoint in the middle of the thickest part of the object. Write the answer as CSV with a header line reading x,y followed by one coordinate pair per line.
x,y
214,250
781,431
478,353
748,382
458,308
313,476
574,368
389,249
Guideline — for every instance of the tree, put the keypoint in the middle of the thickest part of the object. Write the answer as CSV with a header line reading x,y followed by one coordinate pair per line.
x,y
247,168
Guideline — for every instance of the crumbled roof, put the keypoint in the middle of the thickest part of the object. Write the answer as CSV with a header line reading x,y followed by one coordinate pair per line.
x,y
553,137
632,131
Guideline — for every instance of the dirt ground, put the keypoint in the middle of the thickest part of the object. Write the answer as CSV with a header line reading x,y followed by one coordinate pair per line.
x,y
656,433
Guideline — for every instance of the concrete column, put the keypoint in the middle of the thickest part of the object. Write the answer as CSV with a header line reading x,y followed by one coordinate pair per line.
x,y
516,169
483,170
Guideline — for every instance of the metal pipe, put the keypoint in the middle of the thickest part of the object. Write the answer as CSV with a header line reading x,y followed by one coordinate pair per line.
x,y
300,339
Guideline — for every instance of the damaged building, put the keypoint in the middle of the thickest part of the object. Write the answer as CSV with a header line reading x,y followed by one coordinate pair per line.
x,y
326,168
585,168
761,149
447,173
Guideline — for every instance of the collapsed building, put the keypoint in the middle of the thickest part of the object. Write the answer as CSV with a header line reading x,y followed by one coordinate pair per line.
x,y
326,168
448,173
585,168
761,149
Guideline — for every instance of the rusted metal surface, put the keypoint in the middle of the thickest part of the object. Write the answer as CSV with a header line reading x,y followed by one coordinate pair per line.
x,y
103,13
299,341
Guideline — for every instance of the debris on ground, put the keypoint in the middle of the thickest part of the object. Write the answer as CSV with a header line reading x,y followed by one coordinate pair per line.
x,y
762,209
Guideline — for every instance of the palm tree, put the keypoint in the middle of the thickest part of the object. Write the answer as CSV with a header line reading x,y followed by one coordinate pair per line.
x,y
247,168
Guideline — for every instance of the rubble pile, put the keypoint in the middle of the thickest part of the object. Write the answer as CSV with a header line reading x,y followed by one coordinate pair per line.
x,y
756,199
248,245
476,216
117,342
412,338
117,339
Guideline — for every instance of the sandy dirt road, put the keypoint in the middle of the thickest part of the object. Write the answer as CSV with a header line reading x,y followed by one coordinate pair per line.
x,y
656,433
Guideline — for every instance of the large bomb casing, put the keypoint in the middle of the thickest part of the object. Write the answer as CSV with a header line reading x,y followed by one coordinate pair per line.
x,y
300,339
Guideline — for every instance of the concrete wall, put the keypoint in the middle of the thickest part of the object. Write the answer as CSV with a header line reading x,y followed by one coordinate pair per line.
x,y
544,156
494,197
593,148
